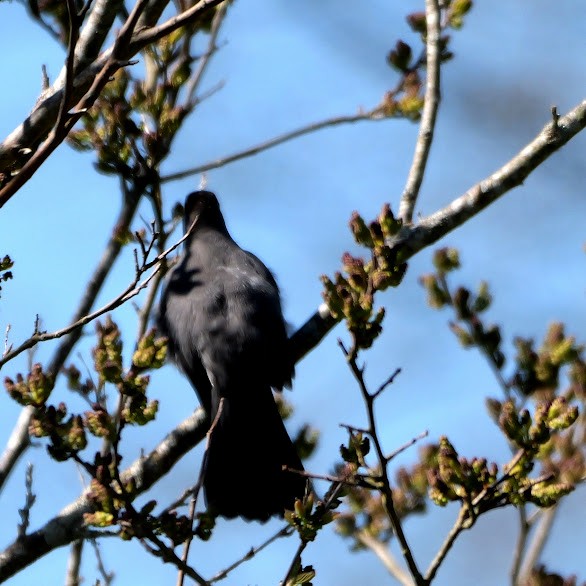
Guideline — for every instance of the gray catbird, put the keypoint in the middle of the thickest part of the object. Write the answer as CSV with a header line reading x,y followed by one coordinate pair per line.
x,y
221,312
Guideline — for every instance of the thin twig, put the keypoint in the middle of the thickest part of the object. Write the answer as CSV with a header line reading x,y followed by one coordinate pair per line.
x,y
152,34
329,477
107,577
69,63
542,533
428,115
386,491
263,146
458,527
520,545
133,289
283,532
406,445
333,495
30,499
206,57
196,491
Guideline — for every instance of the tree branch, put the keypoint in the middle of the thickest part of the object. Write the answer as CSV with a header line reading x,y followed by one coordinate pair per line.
x,y
205,59
385,556
553,136
72,577
277,140
413,239
428,115
17,443
537,544
457,528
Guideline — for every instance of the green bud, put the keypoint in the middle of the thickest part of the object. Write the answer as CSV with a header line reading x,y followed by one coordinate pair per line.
x,y
151,352
458,8
446,260
483,298
99,519
560,415
362,234
465,339
547,495
390,225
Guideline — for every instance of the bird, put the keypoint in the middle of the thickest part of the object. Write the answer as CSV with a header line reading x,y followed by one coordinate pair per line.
x,y
221,313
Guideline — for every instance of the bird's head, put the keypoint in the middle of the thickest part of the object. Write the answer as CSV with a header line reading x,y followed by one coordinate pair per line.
x,y
203,209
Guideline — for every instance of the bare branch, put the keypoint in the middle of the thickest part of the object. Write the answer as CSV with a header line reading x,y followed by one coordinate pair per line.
x,y
17,443
512,174
385,490
150,35
428,115
284,532
28,503
107,577
520,545
263,146
196,490
72,577
100,19
206,58
133,289
537,544
385,556
86,87
458,527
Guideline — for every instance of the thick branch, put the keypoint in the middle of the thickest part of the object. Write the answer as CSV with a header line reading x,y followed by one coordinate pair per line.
x,y
97,27
413,239
553,136
17,443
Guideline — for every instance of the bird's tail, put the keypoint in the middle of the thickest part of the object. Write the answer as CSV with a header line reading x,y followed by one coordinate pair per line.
x,y
249,447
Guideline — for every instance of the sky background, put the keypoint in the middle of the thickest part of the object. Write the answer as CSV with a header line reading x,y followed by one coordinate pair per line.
x,y
285,65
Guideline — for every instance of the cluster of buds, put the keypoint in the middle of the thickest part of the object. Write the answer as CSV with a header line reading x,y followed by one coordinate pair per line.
x,y
538,371
407,99
467,306
308,517
350,295
5,265
537,433
34,391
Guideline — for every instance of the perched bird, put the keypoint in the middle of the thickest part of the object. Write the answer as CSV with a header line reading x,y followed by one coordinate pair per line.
x,y
221,312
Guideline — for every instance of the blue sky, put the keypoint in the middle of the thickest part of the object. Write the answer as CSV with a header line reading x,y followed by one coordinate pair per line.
x,y
286,65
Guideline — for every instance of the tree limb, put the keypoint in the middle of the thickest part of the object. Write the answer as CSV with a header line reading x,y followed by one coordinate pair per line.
x,y
413,239
428,115
385,556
